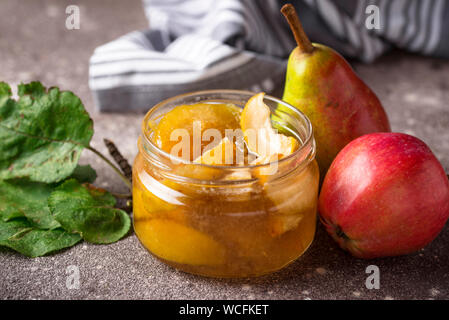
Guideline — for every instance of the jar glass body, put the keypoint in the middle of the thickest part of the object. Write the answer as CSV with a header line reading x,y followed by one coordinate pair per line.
x,y
194,219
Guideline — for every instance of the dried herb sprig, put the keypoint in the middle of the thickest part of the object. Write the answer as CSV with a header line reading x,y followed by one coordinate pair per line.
x,y
119,159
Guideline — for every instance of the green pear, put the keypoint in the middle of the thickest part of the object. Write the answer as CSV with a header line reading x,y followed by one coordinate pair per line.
x,y
322,84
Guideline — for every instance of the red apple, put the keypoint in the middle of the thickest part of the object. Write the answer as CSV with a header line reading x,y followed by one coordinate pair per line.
x,y
385,194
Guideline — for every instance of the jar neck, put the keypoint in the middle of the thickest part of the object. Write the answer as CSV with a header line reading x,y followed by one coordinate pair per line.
x,y
284,117
174,168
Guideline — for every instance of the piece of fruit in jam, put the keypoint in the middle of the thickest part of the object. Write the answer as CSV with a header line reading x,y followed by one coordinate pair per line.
x,y
192,122
260,136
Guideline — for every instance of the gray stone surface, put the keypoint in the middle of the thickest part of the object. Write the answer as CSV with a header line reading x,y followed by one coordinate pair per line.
x,y
34,44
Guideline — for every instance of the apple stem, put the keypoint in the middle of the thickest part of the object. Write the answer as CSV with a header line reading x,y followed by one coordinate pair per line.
x,y
304,44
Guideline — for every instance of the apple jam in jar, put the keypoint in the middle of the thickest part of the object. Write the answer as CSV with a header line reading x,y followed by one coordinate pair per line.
x,y
226,221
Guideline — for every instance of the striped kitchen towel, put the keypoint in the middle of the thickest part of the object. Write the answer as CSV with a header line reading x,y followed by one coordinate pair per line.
x,y
243,44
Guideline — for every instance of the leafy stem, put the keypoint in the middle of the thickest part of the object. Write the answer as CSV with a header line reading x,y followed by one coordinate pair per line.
x,y
113,166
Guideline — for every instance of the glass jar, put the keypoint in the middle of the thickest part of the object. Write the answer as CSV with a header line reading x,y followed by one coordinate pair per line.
x,y
192,218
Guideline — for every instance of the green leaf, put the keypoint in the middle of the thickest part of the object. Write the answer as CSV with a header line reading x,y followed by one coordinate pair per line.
x,y
21,198
88,211
34,89
42,134
84,174
22,236
5,90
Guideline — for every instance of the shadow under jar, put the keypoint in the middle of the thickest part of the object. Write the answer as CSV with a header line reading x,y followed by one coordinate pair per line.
x,y
195,219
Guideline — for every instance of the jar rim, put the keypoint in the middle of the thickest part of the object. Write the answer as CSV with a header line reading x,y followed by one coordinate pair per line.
x,y
292,111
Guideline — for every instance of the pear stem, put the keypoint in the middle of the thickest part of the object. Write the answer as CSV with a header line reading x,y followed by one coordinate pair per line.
x,y
304,44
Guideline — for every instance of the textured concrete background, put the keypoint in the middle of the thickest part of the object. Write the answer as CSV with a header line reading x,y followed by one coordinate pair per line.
x,y
35,45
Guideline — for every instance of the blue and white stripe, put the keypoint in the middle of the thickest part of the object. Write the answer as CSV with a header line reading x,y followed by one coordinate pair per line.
x,y
243,44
